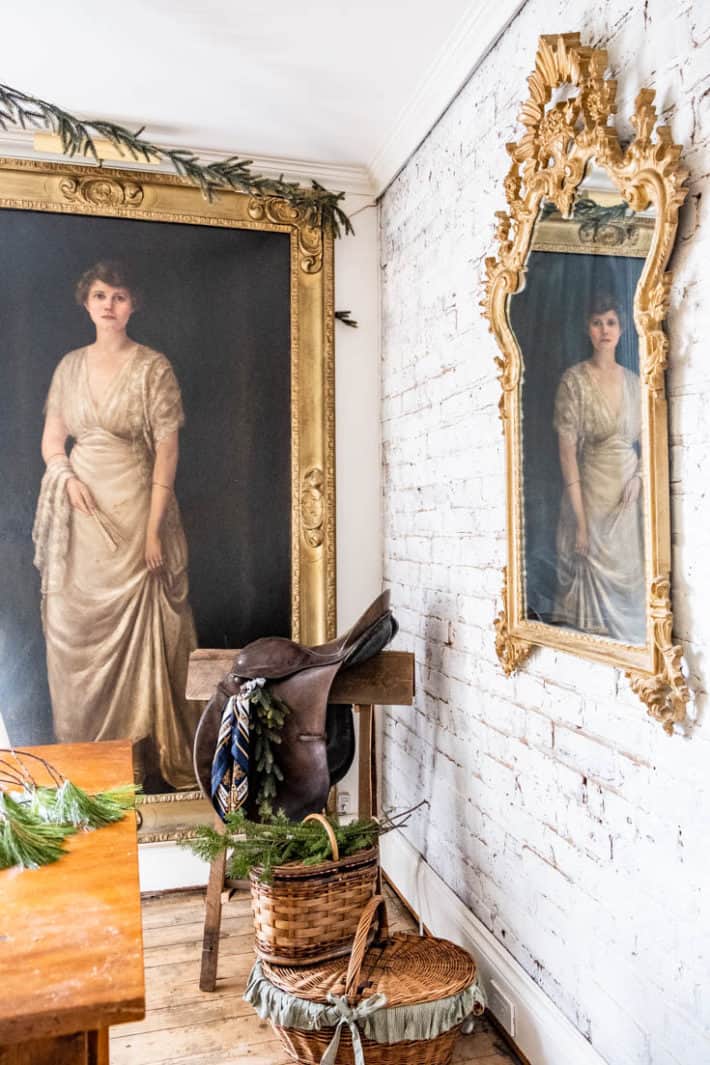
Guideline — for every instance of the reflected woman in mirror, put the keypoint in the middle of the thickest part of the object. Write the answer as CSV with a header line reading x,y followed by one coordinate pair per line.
x,y
109,542
600,557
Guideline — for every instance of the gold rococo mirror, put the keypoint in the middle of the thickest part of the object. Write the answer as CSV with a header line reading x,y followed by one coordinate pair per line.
x,y
576,299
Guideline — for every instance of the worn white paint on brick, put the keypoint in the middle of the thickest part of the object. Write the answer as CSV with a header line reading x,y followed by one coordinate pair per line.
x,y
568,823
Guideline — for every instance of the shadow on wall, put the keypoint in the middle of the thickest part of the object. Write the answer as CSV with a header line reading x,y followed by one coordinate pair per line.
x,y
443,776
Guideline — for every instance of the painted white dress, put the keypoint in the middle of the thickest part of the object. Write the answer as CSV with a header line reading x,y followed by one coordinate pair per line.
x,y
603,592
118,636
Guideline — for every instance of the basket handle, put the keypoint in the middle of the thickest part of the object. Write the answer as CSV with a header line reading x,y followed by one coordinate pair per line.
x,y
352,977
329,829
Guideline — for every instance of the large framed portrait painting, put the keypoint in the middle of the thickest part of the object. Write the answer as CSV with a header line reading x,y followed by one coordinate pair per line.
x,y
166,452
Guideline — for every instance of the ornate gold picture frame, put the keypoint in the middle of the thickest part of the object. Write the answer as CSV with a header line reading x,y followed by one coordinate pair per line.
x,y
282,258
585,210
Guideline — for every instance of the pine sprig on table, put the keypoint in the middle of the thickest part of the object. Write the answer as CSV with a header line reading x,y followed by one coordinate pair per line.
x,y
69,805
277,841
36,820
25,839
77,137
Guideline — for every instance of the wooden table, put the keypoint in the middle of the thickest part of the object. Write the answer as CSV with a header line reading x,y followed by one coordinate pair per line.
x,y
387,679
71,947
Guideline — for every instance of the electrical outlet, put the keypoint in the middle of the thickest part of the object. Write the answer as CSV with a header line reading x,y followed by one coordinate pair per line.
x,y
502,1007
343,803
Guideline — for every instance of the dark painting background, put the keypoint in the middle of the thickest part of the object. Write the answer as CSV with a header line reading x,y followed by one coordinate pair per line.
x,y
217,303
548,319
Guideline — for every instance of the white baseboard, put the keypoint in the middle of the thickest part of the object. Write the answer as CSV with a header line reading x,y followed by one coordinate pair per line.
x,y
167,867
542,1032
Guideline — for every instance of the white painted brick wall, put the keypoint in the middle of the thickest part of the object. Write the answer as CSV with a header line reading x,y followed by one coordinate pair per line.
x,y
567,821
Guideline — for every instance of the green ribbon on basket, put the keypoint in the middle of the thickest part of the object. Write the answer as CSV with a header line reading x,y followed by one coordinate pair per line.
x,y
379,1022
350,1015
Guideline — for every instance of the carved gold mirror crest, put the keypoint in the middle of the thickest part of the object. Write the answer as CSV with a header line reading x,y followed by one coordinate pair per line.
x,y
576,299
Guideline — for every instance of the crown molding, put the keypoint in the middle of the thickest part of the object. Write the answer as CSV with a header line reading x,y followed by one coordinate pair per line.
x,y
338,178
466,47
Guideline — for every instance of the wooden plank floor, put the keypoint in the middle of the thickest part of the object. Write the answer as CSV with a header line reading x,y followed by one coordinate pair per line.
x,y
186,1026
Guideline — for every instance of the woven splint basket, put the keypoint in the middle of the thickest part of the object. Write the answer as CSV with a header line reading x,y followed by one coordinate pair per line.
x,y
402,1001
309,913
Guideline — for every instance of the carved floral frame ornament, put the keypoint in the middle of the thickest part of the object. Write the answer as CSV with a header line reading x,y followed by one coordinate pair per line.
x,y
549,161
136,194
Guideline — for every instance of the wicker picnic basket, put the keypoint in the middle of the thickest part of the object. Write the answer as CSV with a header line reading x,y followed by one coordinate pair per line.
x,y
402,1001
309,913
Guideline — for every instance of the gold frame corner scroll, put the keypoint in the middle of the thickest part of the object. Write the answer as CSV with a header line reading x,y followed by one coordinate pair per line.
x,y
549,162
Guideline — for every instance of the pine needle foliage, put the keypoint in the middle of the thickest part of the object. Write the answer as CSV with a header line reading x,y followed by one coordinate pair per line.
x,y
77,137
36,820
70,805
277,841
25,839
267,720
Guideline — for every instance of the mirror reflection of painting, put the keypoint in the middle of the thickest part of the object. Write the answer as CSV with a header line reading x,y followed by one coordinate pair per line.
x,y
110,545
582,463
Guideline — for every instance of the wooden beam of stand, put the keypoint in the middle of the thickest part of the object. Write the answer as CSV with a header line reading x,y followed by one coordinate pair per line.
x,y
385,680
367,778
213,919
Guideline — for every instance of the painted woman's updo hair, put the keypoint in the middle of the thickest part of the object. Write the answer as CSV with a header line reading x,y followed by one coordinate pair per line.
x,y
112,272
603,300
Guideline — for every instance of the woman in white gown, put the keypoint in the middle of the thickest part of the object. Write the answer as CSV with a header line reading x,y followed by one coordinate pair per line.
x,y
600,556
109,542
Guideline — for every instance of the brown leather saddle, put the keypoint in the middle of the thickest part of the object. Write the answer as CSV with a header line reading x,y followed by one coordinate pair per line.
x,y
310,759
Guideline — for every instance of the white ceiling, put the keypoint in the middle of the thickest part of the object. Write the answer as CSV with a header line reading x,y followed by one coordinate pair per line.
x,y
348,87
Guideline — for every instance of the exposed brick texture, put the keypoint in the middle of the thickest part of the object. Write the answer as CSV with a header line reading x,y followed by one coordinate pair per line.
x,y
564,818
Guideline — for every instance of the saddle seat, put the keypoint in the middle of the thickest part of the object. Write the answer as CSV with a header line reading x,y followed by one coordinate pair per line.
x,y
274,657
312,756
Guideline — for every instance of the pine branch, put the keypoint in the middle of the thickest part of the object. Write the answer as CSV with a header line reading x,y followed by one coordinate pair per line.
x,y
27,841
70,805
35,821
20,756
77,136
267,719
276,841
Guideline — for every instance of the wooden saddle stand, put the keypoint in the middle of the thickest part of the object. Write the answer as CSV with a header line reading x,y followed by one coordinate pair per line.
x,y
385,680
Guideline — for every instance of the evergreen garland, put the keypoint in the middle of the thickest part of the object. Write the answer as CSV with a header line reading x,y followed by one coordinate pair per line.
x,y
77,136
267,719
277,841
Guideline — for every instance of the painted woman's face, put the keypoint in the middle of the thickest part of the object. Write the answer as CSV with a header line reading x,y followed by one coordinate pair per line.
x,y
109,308
604,331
